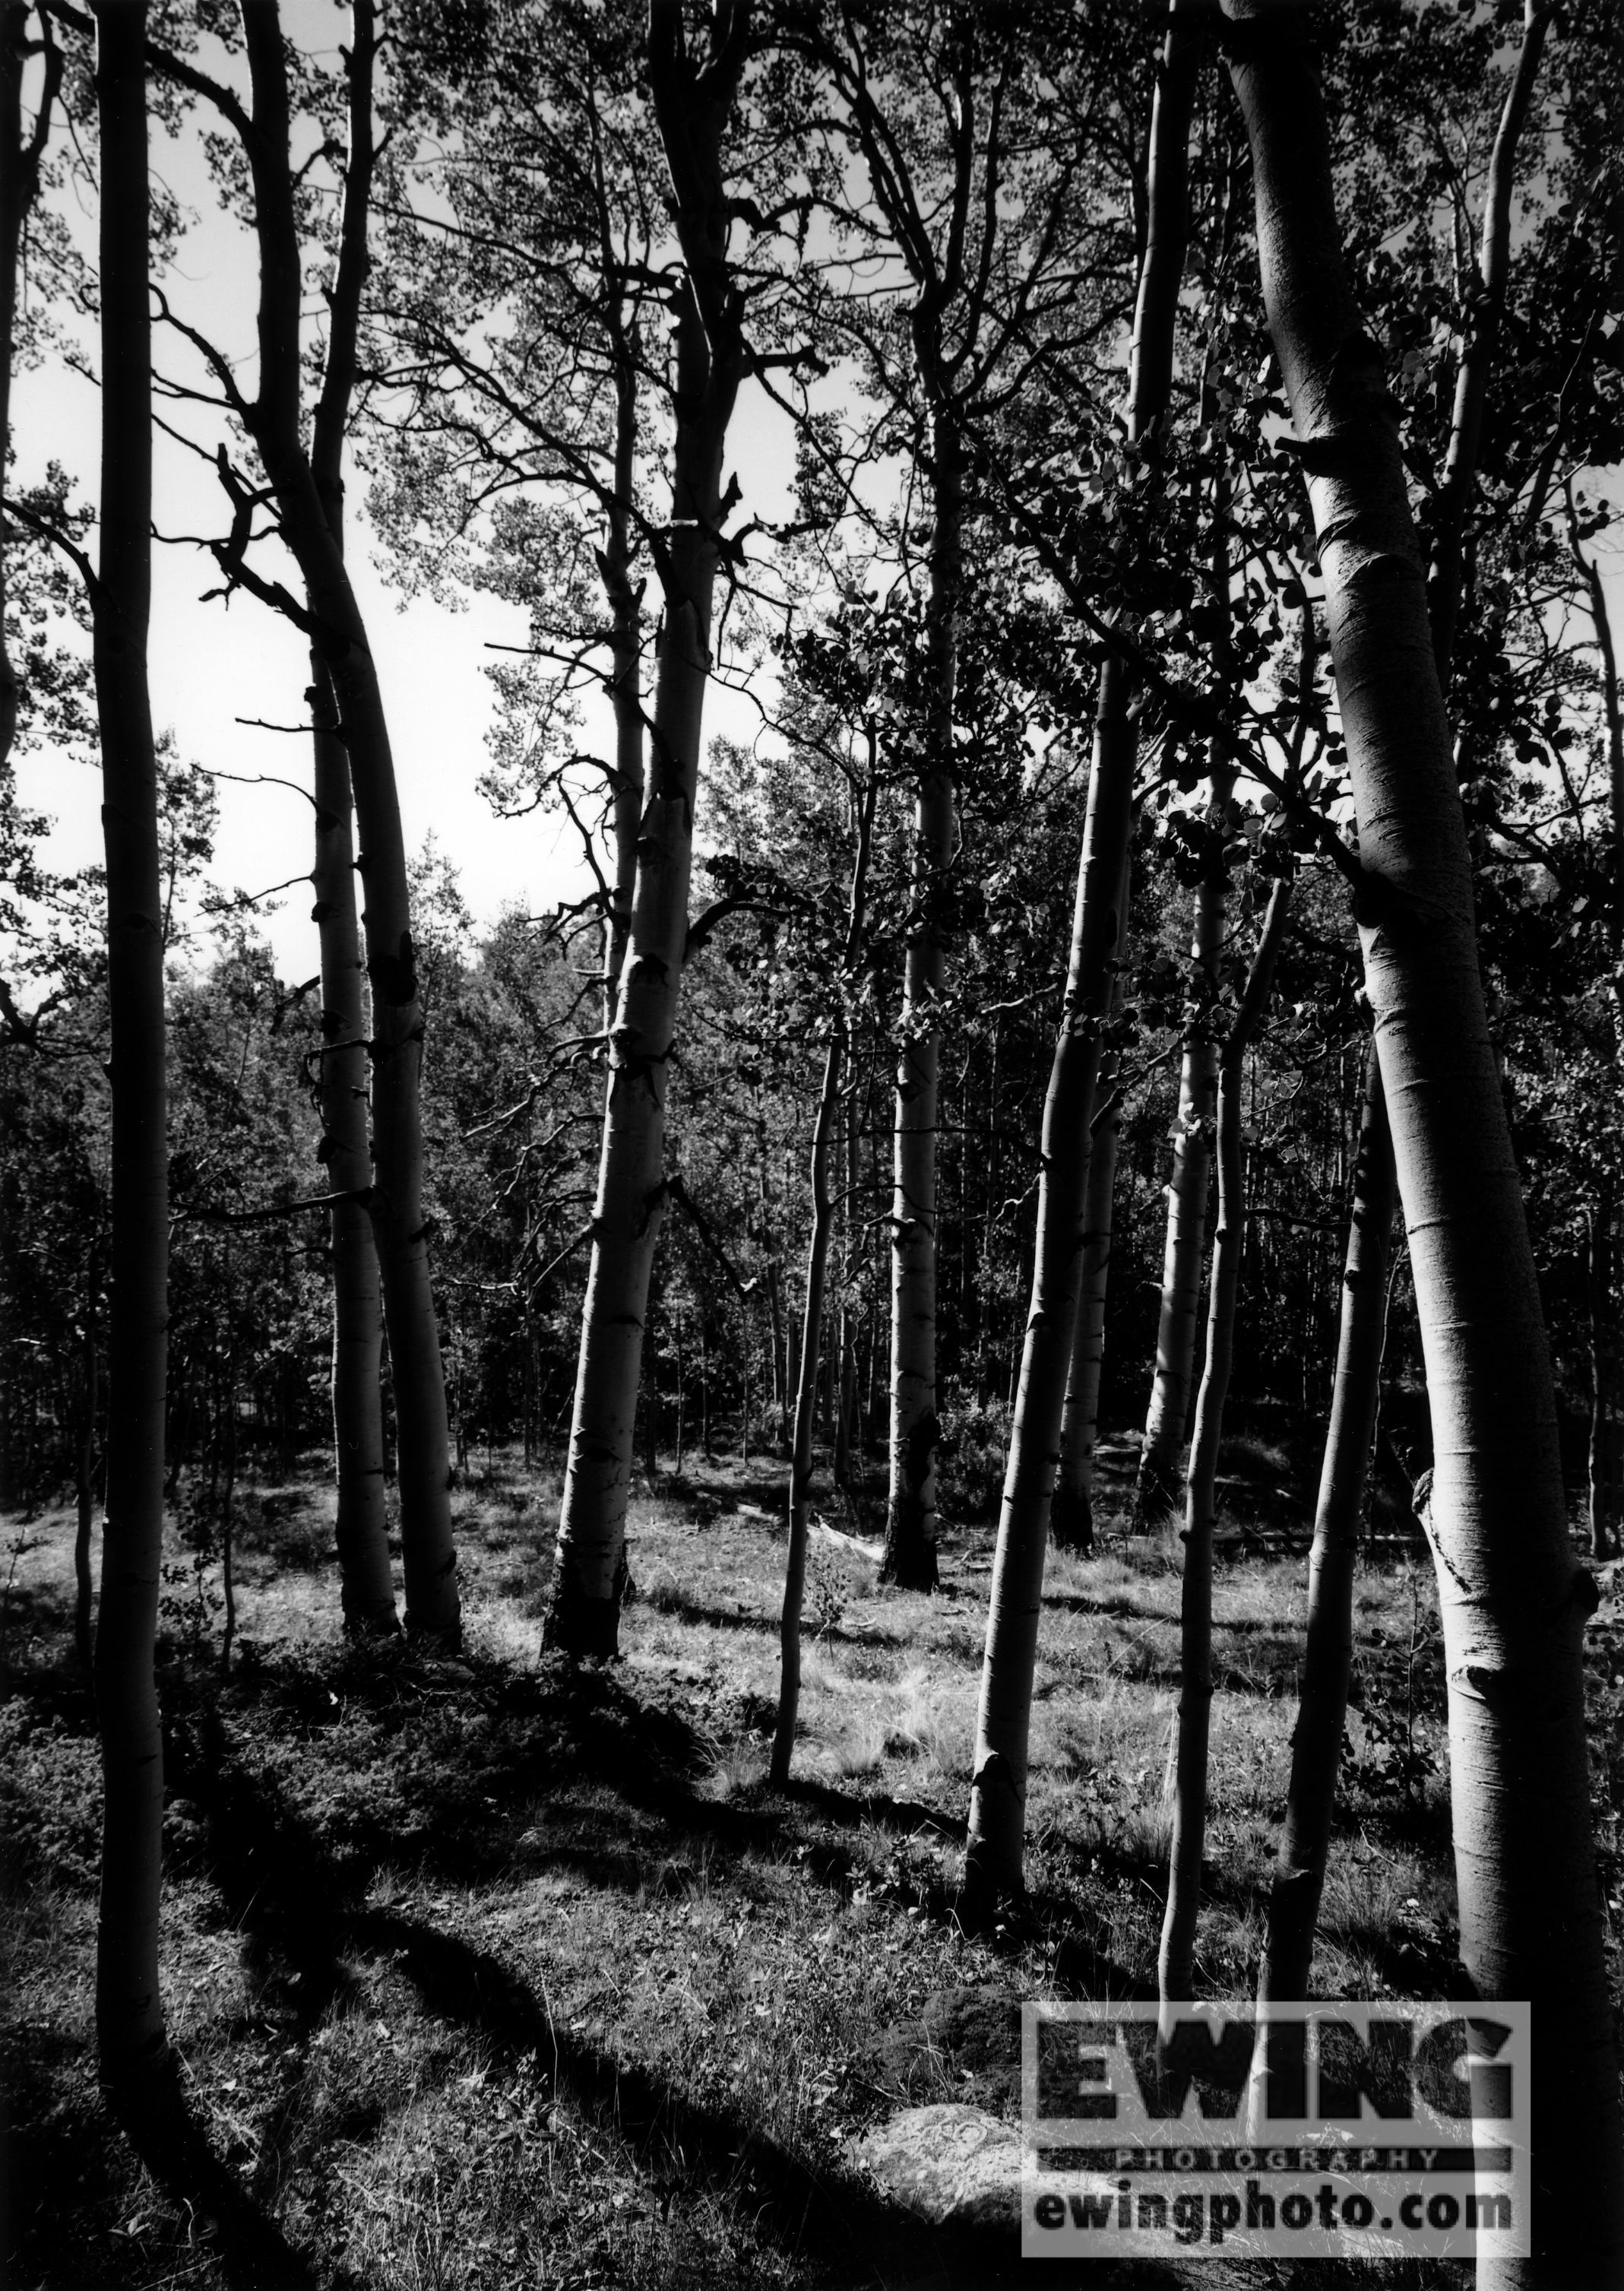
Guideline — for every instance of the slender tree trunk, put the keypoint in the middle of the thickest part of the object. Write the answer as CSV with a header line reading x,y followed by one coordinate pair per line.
x,y
84,1632
129,2008
692,106
1071,1515
1317,1739
1187,1194
909,1560
1327,1654
817,1266
998,1790
800,1452
1513,1600
1176,1961
1598,1269
338,630
1485,300
366,1580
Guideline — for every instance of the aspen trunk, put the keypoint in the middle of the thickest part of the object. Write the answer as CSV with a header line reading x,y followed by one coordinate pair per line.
x,y
800,1451
1327,1654
1072,1515
692,107
998,1790
129,2009
909,1560
1175,1967
339,632
1187,1194
811,1350
1328,1647
1598,1285
365,1579
1486,301
1513,1600
83,1628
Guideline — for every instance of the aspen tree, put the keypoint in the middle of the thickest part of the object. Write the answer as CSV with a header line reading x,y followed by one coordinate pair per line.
x,y
812,1318
129,2006
1157,1479
693,100
332,620
1327,1652
997,1787
366,1586
1175,1967
1071,1512
1512,1597
1327,1643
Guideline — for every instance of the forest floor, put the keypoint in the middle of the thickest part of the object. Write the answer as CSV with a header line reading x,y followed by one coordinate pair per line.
x,y
486,1974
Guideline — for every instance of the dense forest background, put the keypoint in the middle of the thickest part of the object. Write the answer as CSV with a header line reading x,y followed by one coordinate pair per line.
x,y
1049,570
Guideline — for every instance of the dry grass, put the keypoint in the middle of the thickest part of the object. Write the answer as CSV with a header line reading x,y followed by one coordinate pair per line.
x,y
490,1974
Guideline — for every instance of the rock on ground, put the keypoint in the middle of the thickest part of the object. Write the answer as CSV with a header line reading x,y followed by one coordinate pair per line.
x,y
954,2165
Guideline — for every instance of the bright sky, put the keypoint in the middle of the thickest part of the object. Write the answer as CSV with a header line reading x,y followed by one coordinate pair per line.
x,y
211,665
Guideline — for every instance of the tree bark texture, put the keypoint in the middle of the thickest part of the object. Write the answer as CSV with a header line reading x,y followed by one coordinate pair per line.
x,y
909,1559
812,1319
129,2008
366,1578
1327,1655
20,164
338,631
1513,1600
692,104
1486,299
1328,1649
1071,1520
1185,1254
1603,1372
1175,1964
998,1789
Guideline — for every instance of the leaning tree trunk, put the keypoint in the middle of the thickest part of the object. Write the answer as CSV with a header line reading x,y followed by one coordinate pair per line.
x,y
909,1559
1168,1413
997,1787
337,629
1071,1520
129,2009
1175,1965
1327,1654
365,1579
1328,1649
692,108
1513,1600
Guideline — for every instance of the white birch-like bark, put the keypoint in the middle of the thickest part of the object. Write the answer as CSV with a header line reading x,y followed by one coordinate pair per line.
x,y
337,629
998,1789
1328,1646
366,1587
1185,1252
692,103
1513,1599
1175,1964
1071,1520
910,1559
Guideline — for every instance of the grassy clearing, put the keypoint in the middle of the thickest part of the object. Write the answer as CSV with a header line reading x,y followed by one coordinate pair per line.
x,y
486,1974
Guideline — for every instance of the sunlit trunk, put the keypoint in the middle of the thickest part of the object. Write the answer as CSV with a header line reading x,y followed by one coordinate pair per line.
x,y
998,1787
1512,1598
1175,1967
